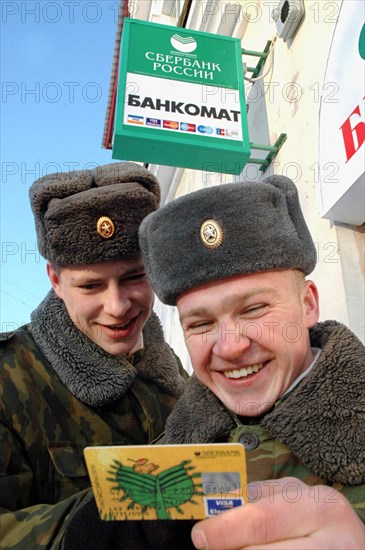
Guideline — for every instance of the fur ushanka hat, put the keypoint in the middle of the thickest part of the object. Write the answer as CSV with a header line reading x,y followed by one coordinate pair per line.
x,y
91,216
225,230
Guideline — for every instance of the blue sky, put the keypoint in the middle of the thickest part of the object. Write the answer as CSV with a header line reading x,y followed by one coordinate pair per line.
x,y
56,59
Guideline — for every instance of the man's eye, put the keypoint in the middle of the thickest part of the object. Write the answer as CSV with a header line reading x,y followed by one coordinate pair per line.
x,y
139,276
200,328
136,277
255,309
89,286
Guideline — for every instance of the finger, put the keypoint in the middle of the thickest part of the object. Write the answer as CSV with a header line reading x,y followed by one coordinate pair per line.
x,y
257,490
233,529
266,521
320,540
303,543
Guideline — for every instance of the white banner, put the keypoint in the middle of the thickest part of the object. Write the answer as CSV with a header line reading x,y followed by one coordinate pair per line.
x,y
184,107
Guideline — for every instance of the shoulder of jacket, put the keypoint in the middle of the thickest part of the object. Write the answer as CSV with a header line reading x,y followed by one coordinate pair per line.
x,y
7,337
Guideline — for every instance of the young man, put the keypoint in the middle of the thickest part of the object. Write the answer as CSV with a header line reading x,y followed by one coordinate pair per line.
x,y
92,367
233,258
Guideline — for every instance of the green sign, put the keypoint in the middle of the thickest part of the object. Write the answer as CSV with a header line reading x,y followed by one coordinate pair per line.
x,y
362,42
180,99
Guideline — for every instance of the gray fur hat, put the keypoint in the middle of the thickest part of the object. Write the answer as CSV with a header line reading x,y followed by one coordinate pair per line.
x,y
91,216
226,230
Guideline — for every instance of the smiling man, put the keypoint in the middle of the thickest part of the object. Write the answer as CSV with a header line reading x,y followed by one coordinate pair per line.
x,y
234,259
109,302
238,336
92,367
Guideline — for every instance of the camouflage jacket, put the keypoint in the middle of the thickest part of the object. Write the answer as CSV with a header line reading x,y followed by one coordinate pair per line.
x,y
315,433
59,394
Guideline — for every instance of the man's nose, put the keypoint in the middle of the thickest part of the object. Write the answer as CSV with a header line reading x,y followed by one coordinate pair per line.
x,y
231,341
116,301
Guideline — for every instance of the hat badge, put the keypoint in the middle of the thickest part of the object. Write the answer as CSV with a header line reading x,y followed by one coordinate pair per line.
x,y
211,234
105,227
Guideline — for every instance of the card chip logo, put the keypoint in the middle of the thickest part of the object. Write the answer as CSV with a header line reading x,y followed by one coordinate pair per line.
x,y
153,122
215,506
134,119
171,124
205,129
187,127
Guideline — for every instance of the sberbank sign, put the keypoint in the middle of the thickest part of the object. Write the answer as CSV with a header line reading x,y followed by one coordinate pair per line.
x,y
180,99
182,66
183,54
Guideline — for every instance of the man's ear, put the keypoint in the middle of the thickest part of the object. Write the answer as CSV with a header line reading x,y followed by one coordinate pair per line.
x,y
55,279
310,303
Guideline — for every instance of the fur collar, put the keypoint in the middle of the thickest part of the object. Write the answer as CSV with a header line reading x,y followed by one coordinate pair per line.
x,y
90,373
322,420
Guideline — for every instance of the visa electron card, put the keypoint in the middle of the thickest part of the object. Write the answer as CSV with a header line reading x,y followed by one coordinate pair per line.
x,y
167,481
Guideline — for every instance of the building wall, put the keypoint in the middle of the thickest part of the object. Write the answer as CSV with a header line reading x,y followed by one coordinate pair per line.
x,y
288,100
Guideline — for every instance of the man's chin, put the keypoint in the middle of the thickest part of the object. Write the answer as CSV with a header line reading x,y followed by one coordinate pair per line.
x,y
114,347
119,348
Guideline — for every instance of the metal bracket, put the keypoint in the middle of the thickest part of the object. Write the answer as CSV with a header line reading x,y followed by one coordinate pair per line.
x,y
262,55
273,151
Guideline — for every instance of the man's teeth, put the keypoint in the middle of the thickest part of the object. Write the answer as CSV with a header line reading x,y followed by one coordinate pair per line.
x,y
119,327
241,373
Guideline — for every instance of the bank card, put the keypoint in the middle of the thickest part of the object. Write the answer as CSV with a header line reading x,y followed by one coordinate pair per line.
x,y
152,482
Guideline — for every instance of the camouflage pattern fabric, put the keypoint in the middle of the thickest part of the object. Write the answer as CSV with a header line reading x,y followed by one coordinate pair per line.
x,y
274,460
43,431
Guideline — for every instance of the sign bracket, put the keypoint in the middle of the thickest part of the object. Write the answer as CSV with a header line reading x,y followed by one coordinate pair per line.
x,y
262,55
273,151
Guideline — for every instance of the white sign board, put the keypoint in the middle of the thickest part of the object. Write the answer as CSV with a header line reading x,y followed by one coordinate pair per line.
x,y
341,125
